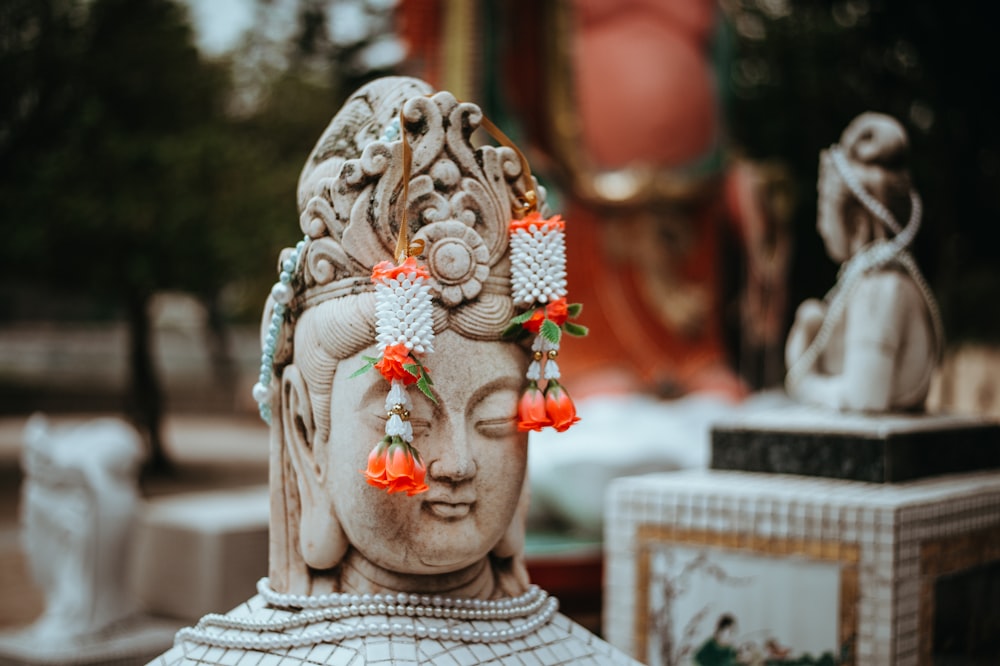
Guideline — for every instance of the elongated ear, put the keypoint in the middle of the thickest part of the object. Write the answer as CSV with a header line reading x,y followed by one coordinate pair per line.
x,y
322,541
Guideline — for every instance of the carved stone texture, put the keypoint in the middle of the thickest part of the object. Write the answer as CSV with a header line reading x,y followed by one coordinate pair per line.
x,y
331,532
873,342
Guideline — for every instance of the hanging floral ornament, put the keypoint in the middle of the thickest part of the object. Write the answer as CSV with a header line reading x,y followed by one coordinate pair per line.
x,y
538,283
404,333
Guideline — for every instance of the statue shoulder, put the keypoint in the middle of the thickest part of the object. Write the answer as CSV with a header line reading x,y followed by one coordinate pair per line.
x,y
886,288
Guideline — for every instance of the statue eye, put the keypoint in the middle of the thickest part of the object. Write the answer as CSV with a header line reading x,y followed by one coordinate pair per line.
x,y
497,428
421,427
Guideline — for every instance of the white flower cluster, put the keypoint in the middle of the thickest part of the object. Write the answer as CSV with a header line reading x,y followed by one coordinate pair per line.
x,y
538,265
403,313
397,425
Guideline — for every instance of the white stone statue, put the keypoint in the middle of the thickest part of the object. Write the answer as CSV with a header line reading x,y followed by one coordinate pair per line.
x,y
397,518
874,341
78,510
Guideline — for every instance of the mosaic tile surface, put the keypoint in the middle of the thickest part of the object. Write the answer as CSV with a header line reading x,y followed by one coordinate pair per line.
x,y
890,543
561,641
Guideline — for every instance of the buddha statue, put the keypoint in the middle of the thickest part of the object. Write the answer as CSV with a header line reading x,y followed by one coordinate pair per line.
x,y
398,409
872,344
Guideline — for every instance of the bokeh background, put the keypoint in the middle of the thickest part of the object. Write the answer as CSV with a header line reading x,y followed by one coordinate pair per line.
x,y
149,153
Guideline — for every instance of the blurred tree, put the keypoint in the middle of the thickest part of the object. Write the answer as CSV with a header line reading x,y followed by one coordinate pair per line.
x,y
804,69
121,174
107,162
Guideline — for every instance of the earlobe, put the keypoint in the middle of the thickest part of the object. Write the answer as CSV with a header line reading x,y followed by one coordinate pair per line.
x,y
322,542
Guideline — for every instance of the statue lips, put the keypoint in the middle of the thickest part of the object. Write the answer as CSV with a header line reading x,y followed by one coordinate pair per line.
x,y
449,507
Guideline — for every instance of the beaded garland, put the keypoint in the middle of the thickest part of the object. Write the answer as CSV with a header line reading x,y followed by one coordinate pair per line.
x,y
283,292
534,608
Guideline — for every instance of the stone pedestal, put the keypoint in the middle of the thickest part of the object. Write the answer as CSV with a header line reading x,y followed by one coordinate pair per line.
x,y
861,573
201,552
130,643
878,448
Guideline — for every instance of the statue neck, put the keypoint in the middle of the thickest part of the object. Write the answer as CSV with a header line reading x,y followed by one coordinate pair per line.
x,y
359,575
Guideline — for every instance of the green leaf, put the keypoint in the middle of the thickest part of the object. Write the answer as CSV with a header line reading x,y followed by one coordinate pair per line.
x,y
425,388
550,331
523,317
575,329
511,331
414,369
574,309
365,368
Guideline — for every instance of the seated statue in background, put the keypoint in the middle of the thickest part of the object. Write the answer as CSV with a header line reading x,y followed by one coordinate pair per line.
x,y
873,342
80,498
398,488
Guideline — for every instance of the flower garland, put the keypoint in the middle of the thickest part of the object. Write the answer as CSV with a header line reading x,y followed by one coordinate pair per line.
x,y
403,332
538,282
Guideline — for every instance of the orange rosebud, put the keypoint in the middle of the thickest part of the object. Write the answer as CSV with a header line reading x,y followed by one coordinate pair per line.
x,y
535,218
395,466
405,470
375,474
391,364
559,408
557,311
531,414
534,324
387,270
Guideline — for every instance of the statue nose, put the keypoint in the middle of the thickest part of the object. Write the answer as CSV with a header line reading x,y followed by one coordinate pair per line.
x,y
453,463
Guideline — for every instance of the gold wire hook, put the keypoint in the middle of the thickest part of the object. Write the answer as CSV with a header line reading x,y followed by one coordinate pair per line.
x,y
530,200
528,203
404,248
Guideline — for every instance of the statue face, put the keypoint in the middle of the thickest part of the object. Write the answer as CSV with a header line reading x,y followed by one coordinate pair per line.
x,y
469,442
830,218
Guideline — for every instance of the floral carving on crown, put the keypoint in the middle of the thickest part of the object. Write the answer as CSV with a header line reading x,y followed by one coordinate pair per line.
x,y
459,203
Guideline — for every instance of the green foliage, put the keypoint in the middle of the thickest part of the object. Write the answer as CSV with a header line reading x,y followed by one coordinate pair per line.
x,y
369,364
120,169
551,331
424,382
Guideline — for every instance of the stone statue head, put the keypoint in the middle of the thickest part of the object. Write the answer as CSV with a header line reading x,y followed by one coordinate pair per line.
x,y
79,502
876,148
326,418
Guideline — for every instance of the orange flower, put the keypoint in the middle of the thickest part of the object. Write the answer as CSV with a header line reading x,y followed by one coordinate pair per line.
x,y
391,364
395,466
387,270
555,222
534,324
557,311
559,408
405,470
375,474
531,414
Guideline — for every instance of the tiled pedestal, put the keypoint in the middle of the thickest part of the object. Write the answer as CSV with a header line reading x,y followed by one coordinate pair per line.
x,y
813,565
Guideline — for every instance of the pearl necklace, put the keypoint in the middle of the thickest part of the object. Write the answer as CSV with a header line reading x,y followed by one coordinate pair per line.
x,y
535,608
